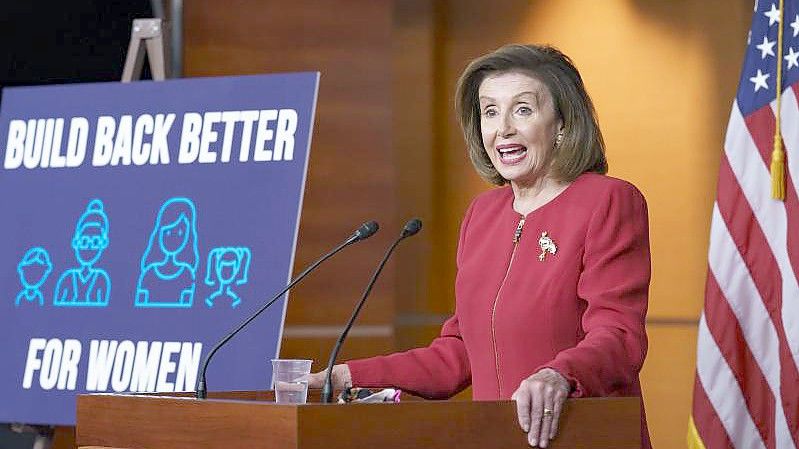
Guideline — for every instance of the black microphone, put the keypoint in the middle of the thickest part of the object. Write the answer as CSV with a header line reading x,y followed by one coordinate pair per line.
x,y
364,232
411,227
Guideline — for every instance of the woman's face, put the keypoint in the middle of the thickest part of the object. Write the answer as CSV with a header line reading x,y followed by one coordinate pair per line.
x,y
518,123
173,236
89,244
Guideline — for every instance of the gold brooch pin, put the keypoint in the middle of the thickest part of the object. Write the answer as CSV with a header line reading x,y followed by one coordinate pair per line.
x,y
547,246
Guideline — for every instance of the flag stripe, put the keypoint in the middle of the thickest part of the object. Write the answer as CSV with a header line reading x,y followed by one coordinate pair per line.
x,y
790,131
736,285
760,262
721,322
739,289
755,181
761,125
749,239
708,424
790,135
790,141
723,392
745,149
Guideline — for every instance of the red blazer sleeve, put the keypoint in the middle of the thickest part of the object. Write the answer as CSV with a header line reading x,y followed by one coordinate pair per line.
x,y
437,371
615,285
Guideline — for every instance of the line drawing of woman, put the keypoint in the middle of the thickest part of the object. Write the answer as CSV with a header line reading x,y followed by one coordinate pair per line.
x,y
230,264
169,263
87,285
33,269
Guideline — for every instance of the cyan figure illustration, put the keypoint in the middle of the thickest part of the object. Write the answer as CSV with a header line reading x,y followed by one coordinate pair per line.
x,y
86,285
33,270
169,263
226,266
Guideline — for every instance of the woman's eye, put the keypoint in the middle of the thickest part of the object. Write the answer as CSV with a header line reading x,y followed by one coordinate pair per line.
x,y
490,113
524,110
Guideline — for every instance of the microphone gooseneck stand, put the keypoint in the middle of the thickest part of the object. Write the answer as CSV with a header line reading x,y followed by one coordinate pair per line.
x,y
411,227
365,231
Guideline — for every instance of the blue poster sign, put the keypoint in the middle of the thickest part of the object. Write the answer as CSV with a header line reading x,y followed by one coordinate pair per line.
x,y
139,223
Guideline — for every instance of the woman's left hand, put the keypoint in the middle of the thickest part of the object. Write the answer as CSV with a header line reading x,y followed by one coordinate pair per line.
x,y
539,401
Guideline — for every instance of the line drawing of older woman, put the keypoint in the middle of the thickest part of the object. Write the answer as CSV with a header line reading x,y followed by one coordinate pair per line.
x,y
33,269
169,263
553,264
87,285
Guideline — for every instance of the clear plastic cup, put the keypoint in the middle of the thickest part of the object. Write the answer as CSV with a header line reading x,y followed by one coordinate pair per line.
x,y
289,380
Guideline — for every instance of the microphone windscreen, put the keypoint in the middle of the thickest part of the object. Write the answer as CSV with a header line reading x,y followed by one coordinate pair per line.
x,y
367,230
411,227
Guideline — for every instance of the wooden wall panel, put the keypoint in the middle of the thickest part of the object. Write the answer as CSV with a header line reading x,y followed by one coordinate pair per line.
x,y
414,124
351,173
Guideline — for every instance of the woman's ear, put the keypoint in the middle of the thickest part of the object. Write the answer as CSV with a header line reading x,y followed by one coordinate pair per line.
x,y
559,138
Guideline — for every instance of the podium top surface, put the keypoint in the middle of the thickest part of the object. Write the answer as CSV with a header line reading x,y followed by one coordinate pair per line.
x,y
250,419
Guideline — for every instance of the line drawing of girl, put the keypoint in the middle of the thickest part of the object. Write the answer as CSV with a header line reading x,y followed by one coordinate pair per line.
x,y
33,269
230,265
169,263
87,285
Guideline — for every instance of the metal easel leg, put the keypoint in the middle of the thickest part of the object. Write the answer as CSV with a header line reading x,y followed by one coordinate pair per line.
x,y
43,438
42,441
146,35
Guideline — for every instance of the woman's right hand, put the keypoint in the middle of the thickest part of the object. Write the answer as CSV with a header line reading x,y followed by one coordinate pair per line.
x,y
341,378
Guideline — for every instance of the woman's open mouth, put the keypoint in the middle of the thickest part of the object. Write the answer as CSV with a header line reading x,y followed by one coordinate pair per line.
x,y
512,153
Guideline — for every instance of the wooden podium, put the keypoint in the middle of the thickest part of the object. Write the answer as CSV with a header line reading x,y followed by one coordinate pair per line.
x,y
251,420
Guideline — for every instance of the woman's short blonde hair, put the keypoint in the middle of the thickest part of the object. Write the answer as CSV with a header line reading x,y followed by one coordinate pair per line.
x,y
582,148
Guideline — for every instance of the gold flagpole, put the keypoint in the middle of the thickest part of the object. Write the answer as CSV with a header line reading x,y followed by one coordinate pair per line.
x,y
778,155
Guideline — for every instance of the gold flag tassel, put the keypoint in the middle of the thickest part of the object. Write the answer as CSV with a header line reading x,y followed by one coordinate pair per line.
x,y
778,155
778,170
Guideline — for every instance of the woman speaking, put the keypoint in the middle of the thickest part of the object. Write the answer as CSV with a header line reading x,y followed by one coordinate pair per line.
x,y
553,266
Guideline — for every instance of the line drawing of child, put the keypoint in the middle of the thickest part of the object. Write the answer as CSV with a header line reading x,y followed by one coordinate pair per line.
x,y
169,263
33,269
229,265
86,285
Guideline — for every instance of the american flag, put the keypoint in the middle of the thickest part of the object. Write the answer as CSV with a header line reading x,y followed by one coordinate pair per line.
x,y
746,393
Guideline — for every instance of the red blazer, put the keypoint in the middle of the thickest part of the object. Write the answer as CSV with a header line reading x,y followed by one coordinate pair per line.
x,y
564,287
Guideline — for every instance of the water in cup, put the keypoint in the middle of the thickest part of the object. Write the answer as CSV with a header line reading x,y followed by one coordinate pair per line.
x,y
291,392
289,380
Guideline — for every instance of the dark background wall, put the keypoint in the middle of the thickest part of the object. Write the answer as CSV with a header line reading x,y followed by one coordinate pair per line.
x,y
52,41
